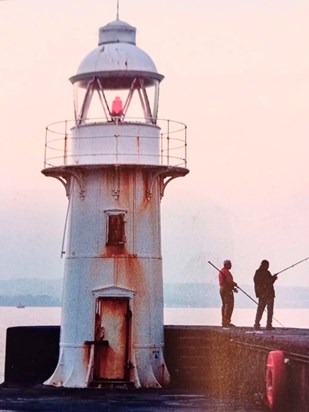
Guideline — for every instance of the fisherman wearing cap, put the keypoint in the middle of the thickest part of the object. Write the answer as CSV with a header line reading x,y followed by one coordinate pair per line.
x,y
265,292
227,287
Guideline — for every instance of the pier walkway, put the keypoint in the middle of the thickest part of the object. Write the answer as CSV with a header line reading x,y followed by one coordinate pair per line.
x,y
88,400
212,369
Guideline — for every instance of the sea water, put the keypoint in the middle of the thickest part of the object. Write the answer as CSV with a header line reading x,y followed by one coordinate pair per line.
x,y
31,316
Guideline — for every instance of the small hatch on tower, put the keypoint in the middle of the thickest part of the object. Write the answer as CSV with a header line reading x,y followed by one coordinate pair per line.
x,y
115,228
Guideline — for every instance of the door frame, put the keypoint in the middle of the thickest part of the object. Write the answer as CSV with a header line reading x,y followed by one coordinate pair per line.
x,y
114,292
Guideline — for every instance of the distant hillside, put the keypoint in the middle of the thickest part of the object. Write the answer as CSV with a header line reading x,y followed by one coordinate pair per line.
x,y
31,292
48,292
207,295
32,286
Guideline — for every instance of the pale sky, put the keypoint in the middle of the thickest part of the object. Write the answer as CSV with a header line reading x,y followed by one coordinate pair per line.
x,y
236,72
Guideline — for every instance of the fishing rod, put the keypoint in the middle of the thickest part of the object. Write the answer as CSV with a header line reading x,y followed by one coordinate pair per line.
x,y
253,300
297,263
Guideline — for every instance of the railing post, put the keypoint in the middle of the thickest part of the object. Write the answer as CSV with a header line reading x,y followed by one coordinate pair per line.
x,y
168,142
65,143
185,146
45,148
162,149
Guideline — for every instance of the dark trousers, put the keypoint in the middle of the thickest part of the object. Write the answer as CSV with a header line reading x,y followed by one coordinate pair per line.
x,y
269,305
227,298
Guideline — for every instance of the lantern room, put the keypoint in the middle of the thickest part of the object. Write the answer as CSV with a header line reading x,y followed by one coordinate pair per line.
x,y
117,80
116,101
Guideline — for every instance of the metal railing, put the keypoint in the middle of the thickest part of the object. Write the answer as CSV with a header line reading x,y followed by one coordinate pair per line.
x,y
59,141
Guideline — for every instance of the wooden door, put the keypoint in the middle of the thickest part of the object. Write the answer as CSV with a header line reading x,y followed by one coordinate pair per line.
x,y
111,338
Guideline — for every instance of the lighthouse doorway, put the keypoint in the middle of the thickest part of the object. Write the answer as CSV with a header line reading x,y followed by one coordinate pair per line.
x,y
112,332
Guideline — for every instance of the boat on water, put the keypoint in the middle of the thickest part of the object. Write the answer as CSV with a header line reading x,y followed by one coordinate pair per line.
x,y
20,306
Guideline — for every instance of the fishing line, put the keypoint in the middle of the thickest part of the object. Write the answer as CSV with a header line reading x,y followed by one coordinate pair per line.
x,y
253,300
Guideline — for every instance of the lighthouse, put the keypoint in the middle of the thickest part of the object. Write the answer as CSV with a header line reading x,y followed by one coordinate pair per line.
x,y
114,160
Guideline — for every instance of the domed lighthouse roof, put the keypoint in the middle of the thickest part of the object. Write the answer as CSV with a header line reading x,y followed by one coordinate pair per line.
x,y
117,59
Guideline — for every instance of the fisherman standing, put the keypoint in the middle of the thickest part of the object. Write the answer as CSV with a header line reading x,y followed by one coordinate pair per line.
x,y
265,292
227,287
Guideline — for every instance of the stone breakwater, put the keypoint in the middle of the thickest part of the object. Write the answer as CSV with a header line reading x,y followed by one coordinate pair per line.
x,y
232,363
211,369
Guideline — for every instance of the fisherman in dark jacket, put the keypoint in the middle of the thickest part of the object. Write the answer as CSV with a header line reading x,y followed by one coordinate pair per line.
x,y
265,292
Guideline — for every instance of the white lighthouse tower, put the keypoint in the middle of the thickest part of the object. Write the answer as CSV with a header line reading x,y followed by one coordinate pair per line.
x,y
115,160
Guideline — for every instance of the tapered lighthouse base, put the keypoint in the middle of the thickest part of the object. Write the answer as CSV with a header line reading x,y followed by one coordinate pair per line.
x,y
70,372
112,326
151,371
